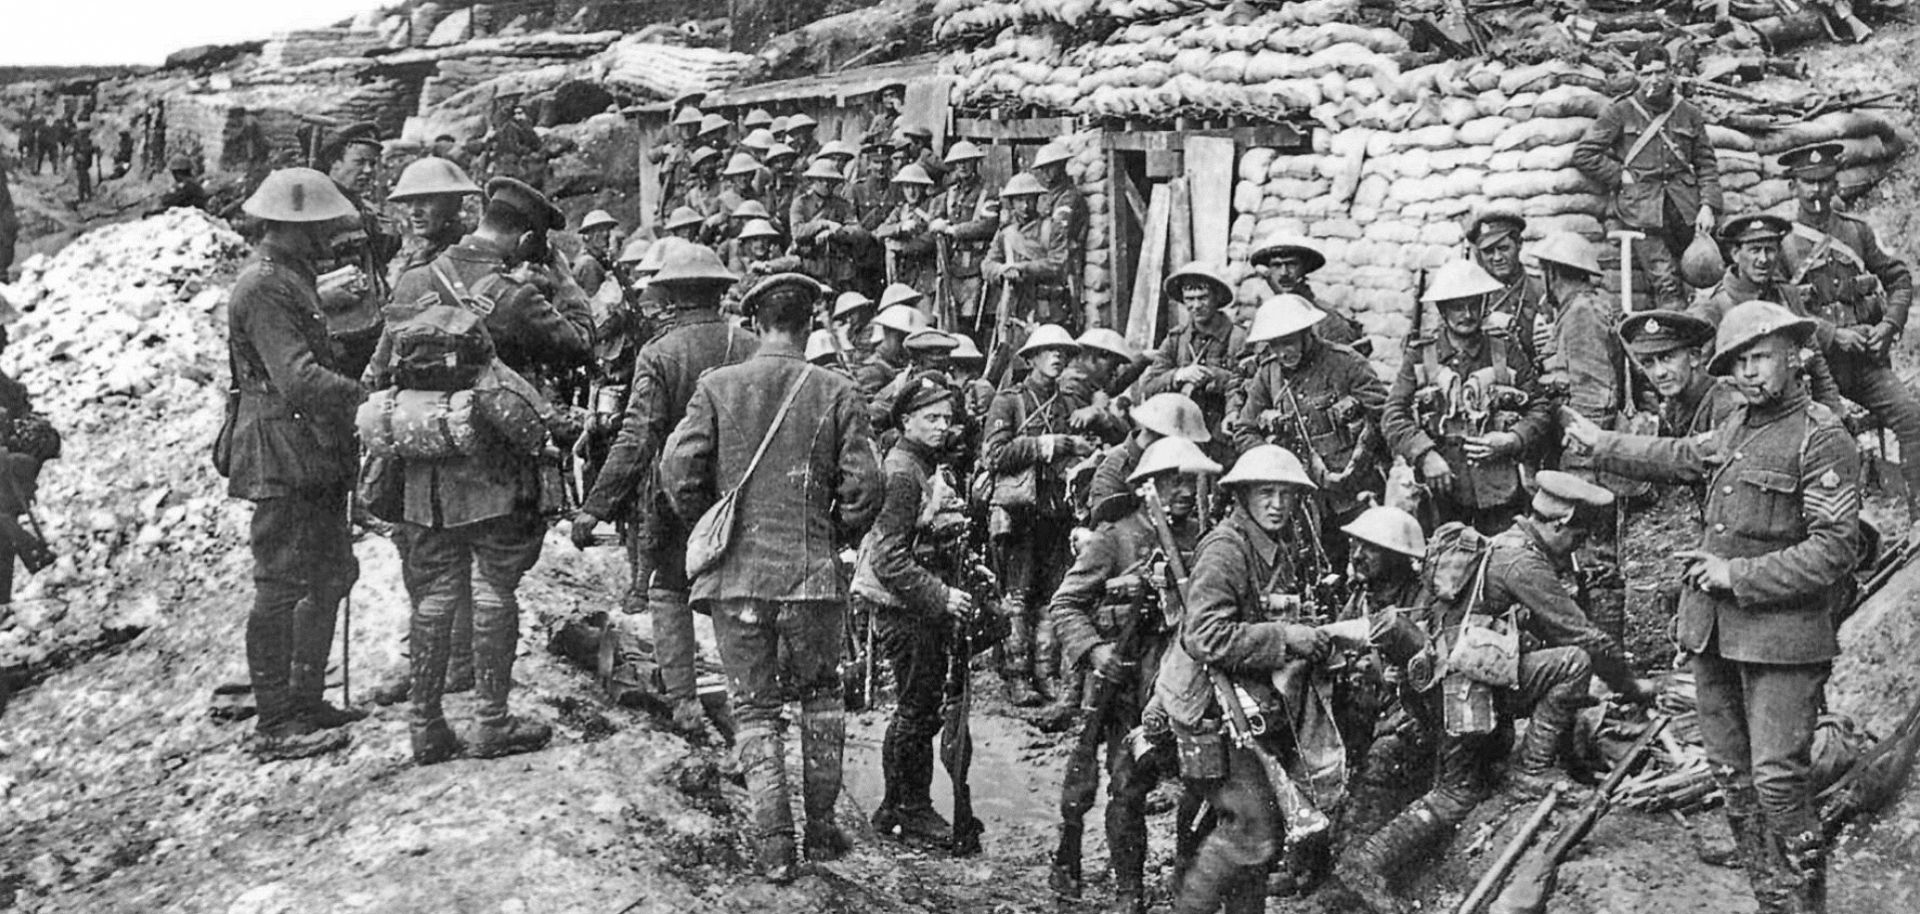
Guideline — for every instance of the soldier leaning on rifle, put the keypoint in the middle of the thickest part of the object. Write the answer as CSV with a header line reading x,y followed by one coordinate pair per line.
x,y
1778,541
1228,627
1110,618
966,214
1200,357
912,605
776,596
1319,399
1848,280
1650,150
1471,709
291,452
1027,259
664,377
907,231
1494,238
1464,409
1752,244
827,233
1286,262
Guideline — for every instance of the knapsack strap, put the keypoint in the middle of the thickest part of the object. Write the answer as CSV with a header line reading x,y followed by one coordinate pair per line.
x,y
806,371
450,285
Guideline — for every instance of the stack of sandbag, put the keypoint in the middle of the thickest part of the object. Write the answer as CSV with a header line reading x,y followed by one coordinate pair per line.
x,y
669,71
1088,169
1871,142
957,19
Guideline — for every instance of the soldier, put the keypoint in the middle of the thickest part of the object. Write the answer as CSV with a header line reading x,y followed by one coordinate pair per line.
x,y
852,325
1494,236
684,223
821,351
1777,545
1324,400
714,131
30,442
1100,375
1066,210
352,302
1110,619
757,119
899,579
664,375
595,262
1752,242
1462,411
1671,349
920,152
1386,544
1650,150
872,191
1285,262
9,221
185,190
837,153
906,233
1027,260
291,452
965,218
516,149
705,188
1199,357
431,192
827,233
754,249
898,319
1849,281
800,135
1583,349
776,596
784,184
83,152
1163,415
1027,446
742,180
674,161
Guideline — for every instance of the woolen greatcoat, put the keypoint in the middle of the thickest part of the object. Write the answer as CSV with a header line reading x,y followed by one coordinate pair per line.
x,y
293,432
816,491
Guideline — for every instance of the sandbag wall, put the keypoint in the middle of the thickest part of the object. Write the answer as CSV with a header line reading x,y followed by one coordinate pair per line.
x,y
298,48
1088,169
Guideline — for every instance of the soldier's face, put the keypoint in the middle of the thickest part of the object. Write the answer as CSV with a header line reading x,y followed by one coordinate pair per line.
x,y
356,167
1671,371
1463,316
1755,260
1656,80
427,216
1179,492
759,248
742,182
1816,194
596,240
1024,206
689,133
1763,370
1199,302
1048,363
1285,272
822,187
928,427
966,169
1269,504
1502,257
1371,562
915,193
1291,349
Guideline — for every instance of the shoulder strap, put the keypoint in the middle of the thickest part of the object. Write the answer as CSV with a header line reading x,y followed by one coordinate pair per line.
x,y
806,371
451,285
1824,242
1656,128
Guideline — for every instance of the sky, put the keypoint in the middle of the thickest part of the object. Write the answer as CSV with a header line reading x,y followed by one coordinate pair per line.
x,y
43,32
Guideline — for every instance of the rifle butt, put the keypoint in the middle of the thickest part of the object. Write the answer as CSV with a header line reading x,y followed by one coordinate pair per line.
x,y
1531,886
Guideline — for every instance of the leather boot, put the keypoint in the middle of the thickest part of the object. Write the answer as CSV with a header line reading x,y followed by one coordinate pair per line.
x,y
1369,871
763,762
1065,878
1017,671
823,738
1210,883
460,651
1803,869
1046,662
313,624
496,634
433,741
886,816
676,651
1536,761
1747,848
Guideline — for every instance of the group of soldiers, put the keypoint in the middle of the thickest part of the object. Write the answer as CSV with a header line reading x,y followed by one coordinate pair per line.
x,y
809,421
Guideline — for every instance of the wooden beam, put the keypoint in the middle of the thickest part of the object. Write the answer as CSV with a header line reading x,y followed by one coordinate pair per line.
x,y
1180,225
1033,130
1278,136
1143,314
1209,171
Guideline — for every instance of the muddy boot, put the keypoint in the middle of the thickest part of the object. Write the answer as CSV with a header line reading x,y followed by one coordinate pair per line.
x,y
886,816
1803,872
435,743
690,721
1046,664
763,762
1369,871
1017,669
1064,878
498,733
313,623
1743,845
676,651
460,652
1210,883
823,738
295,739
1536,761
433,740
393,690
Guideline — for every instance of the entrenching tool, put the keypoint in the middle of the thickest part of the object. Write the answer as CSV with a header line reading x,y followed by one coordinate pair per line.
x,y
1626,237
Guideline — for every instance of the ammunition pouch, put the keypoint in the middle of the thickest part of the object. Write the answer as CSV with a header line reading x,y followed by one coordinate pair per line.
x,y
1203,750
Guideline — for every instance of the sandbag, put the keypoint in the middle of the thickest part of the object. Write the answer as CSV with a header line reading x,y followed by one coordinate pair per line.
x,y
1824,128
1541,131
1547,158
1728,138
1524,184
1483,131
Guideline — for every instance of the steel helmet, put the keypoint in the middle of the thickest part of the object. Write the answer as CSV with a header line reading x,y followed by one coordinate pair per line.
x,y
1100,339
1203,272
759,228
1171,455
1746,323
966,351
742,164
781,151
1055,151
683,216
693,265
180,163
712,123
899,294
820,347
1049,336
1287,246
431,176
1458,279
1568,250
823,168
1268,463
833,148
1172,415
299,195
932,339
912,173
636,250
751,209
758,117
1283,315
703,155
849,302
1023,184
598,219
963,151
656,255
761,139
801,122
688,117
1389,528
903,318
779,125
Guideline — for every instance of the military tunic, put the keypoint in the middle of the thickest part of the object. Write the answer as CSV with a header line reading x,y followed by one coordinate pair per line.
x,y
1040,251
1491,486
1660,191
974,214
1214,348
1331,377
1523,573
829,239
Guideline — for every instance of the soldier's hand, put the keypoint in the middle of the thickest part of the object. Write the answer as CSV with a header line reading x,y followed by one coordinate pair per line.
x,y
1435,472
1271,420
1307,641
1343,410
1847,339
1190,374
992,272
1578,432
1106,663
1705,572
940,226
1881,336
1706,217
1491,445
1010,273
582,532
1084,416
959,603
1641,691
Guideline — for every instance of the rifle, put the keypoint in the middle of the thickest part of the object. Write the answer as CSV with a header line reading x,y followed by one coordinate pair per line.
x,y
1533,883
942,295
1511,854
956,734
1874,779
999,355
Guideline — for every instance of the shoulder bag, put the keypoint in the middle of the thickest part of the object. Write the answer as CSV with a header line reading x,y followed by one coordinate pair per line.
x,y
712,534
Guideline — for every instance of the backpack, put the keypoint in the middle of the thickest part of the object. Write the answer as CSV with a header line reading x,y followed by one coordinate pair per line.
x,y
441,343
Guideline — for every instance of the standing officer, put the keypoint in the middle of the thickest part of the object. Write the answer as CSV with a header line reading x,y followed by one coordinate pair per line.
x,y
1199,357
291,452
1494,237
965,217
1463,410
790,442
1110,618
1650,150
664,375
1229,645
1285,262
1848,280
1026,263
431,191
1778,541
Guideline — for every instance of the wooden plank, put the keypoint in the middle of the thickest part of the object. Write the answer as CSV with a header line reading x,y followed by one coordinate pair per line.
x,y
1180,225
1143,313
927,104
1209,171
1278,136
1163,164
1032,130
1125,209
